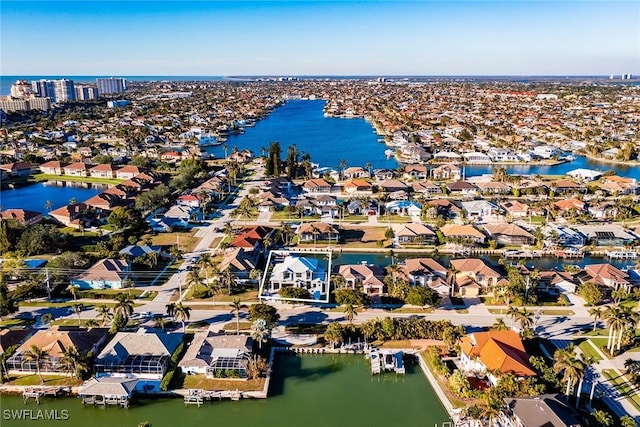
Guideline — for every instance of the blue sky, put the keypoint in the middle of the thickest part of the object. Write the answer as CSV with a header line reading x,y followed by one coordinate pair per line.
x,y
319,38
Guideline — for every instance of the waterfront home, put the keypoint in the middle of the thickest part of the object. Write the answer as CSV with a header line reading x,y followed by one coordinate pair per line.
x,y
54,342
557,281
618,185
104,274
53,167
467,233
477,158
607,276
545,151
383,174
127,172
584,175
76,169
301,272
142,355
415,172
23,216
447,157
12,337
607,235
404,208
103,202
103,171
446,172
484,274
217,356
316,186
358,187
562,186
462,188
367,276
17,169
493,187
317,231
480,210
426,187
515,208
536,411
239,261
495,351
70,215
610,154
415,233
510,234
498,154
563,236
355,172
425,272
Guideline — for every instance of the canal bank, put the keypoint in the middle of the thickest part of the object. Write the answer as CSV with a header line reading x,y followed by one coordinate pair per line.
x,y
312,389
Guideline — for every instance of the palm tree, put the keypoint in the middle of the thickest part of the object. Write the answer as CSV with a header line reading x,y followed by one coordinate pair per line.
x,y
73,362
77,307
226,278
260,332
499,325
124,307
194,280
350,313
615,320
73,289
572,367
596,313
104,312
37,355
603,417
182,313
451,279
236,308
525,318
205,263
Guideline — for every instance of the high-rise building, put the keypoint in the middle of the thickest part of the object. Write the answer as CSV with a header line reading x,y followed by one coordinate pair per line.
x,y
84,92
21,89
44,88
64,90
111,85
39,103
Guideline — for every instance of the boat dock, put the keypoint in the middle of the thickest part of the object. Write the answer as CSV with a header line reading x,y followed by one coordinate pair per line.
x,y
98,400
621,254
569,253
386,361
198,397
521,254
36,393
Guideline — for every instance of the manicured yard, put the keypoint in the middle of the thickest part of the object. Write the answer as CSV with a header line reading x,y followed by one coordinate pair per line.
x,y
17,323
231,326
588,349
623,387
186,239
49,380
202,383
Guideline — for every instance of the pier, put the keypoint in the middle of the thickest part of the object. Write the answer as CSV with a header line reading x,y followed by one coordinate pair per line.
x,y
36,393
621,254
198,396
387,361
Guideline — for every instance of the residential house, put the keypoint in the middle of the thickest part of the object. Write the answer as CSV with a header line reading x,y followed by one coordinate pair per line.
x,y
190,200
493,187
584,175
568,206
463,232
415,233
127,172
76,169
607,276
17,169
445,208
603,210
563,236
427,272
383,174
607,235
102,171
301,272
22,216
562,186
536,411
142,355
103,202
479,210
415,172
355,172
367,276
426,187
239,261
52,167
619,185
105,274
317,231
510,234
392,186
476,157
12,337
462,188
479,271
251,238
358,187
316,186
70,215
135,251
362,207
54,342
557,282
495,351
404,208
214,355
446,172
515,208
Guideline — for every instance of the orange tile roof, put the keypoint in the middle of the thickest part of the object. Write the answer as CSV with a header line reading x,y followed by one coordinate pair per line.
x,y
499,351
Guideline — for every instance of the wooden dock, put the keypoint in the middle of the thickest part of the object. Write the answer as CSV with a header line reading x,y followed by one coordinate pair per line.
x,y
36,393
199,397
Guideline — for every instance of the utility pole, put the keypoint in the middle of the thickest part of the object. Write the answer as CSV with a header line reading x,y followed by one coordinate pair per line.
x,y
46,272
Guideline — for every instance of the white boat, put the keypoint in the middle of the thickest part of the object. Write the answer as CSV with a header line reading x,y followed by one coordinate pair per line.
x,y
389,152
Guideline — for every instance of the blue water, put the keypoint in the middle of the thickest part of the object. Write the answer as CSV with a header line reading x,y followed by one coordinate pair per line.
x,y
33,197
328,140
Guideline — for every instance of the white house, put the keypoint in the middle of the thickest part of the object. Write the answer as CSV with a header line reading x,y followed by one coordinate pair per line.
x,y
584,174
300,272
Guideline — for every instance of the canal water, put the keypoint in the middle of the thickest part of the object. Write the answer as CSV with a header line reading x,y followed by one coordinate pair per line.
x,y
34,197
327,139
309,391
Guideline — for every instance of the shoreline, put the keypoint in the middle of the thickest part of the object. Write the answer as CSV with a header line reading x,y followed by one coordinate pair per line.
x,y
630,163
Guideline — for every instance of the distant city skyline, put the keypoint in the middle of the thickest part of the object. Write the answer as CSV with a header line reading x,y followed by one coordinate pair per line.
x,y
210,38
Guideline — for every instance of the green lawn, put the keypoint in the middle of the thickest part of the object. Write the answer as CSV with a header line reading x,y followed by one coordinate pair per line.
x,y
48,177
49,380
589,350
231,326
623,387
200,382
17,323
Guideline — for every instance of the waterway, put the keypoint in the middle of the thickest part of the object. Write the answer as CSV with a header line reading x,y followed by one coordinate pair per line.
x,y
543,263
327,139
34,196
310,390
